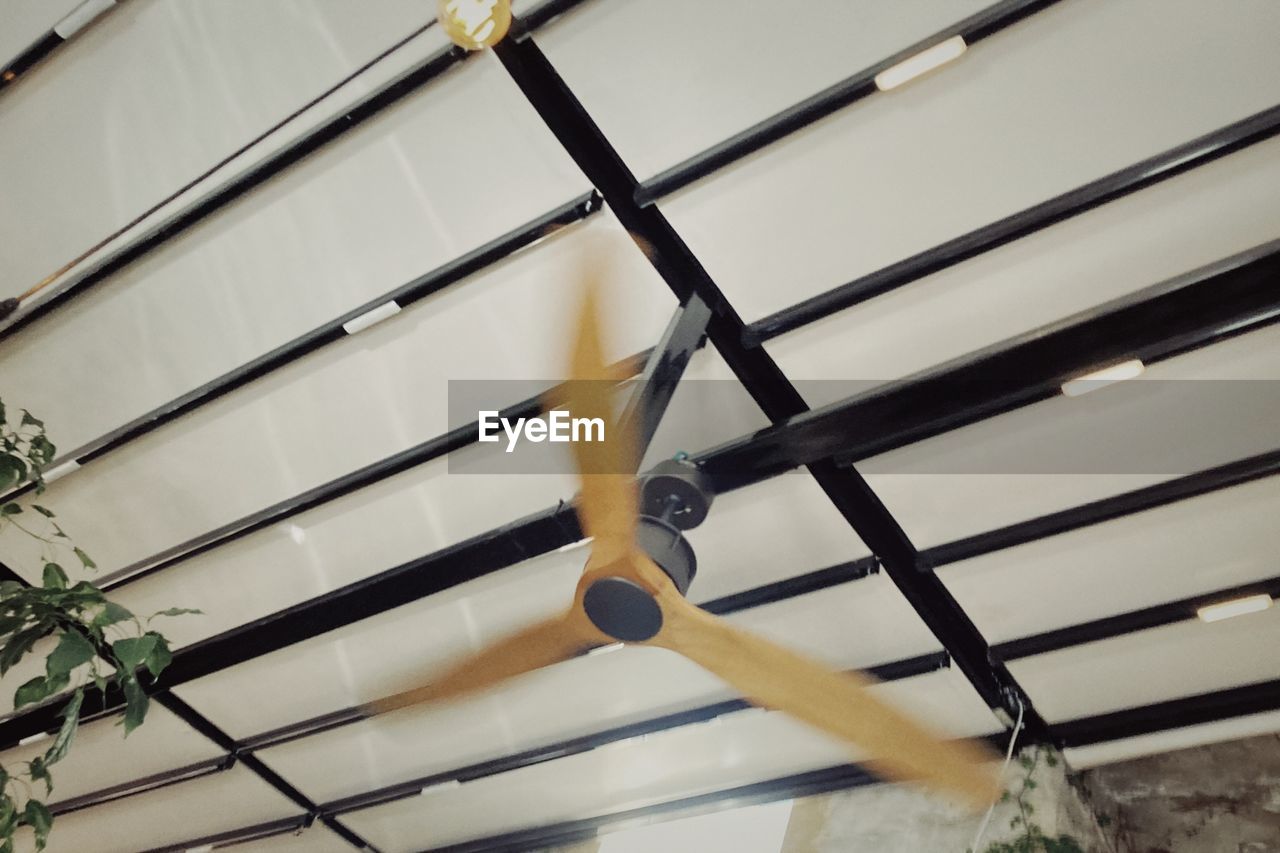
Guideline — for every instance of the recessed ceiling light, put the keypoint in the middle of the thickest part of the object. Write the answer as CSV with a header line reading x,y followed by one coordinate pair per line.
x,y
921,63
1234,607
1101,378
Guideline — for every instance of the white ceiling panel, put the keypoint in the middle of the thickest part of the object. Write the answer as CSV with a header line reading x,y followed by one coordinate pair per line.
x,y
682,762
352,403
1175,660
1250,725
940,488
861,623
166,90
22,22
1027,114
102,756
212,804
399,197
1192,547
1182,224
629,62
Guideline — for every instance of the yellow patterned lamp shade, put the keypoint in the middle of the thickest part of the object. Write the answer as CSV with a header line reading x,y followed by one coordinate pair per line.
x,y
475,24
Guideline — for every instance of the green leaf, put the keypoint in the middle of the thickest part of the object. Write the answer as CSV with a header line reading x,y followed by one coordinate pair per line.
x,y
28,418
110,614
160,656
47,513
12,471
73,650
135,704
84,558
10,509
177,611
37,816
70,721
133,651
39,773
39,688
21,643
42,450
55,577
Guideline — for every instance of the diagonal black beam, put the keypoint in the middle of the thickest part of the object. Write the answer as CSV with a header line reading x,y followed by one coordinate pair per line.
x,y
1203,307
153,782
565,116
257,832
852,89
1143,619
419,288
204,726
356,115
49,41
545,531
1214,707
1145,173
576,746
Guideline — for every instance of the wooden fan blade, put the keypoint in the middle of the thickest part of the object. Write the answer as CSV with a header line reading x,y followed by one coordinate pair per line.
x,y
898,747
608,503
539,645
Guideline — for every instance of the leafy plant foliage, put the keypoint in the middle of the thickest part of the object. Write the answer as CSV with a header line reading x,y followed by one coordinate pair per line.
x,y
96,643
1031,838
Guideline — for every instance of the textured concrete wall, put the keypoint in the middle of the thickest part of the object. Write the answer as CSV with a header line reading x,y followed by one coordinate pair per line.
x,y
1221,798
899,819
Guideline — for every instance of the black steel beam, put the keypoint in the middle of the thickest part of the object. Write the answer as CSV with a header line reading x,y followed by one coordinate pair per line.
x,y
1160,167
770,593
973,29
153,782
836,778
576,746
1213,707
419,288
12,73
1106,509
1203,307
665,368
204,726
257,832
275,164
583,140
1143,619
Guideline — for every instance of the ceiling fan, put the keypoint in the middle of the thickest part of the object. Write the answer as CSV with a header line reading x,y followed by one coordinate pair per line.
x,y
632,591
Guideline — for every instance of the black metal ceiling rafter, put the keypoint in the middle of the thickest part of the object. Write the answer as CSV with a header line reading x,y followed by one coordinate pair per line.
x,y
586,144
351,117
47,43
831,100
1178,160
547,530
447,275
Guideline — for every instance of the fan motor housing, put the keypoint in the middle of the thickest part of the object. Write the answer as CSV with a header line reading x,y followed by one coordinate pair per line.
x,y
666,546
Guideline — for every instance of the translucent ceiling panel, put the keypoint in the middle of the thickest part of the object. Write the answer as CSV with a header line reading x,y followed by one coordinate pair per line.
x,y
101,757
432,178
165,90
861,623
1068,451
1182,224
736,750
1212,542
353,403
630,62
24,21
1066,96
223,801
1176,660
